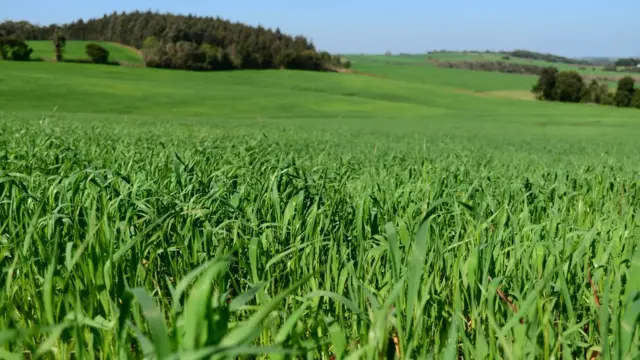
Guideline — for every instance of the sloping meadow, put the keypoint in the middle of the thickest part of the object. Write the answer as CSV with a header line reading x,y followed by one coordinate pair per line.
x,y
331,239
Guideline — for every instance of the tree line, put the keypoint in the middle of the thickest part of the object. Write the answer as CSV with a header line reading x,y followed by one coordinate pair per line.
x,y
627,62
189,42
497,66
526,54
569,86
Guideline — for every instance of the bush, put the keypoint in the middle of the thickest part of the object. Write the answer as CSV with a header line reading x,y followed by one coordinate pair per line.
x,y
305,60
97,53
215,58
607,100
635,101
596,93
569,87
624,95
546,83
506,57
59,43
14,49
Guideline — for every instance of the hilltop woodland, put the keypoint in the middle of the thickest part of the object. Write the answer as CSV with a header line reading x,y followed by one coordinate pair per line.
x,y
181,42
569,86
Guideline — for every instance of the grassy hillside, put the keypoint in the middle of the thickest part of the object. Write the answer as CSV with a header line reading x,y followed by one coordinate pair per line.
x,y
418,69
169,214
76,50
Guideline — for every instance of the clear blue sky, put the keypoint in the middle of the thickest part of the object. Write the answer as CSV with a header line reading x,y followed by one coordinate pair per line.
x,y
565,27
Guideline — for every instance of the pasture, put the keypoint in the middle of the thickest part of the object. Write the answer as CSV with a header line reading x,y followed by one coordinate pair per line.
x,y
75,50
412,213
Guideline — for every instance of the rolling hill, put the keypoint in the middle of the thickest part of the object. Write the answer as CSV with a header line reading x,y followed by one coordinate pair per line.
x,y
75,50
400,211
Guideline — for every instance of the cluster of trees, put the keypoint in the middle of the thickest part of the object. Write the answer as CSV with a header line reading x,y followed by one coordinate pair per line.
x,y
627,62
569,86
204,57
498,66
189,42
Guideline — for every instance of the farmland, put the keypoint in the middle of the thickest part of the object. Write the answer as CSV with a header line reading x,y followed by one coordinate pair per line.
x,y
405,211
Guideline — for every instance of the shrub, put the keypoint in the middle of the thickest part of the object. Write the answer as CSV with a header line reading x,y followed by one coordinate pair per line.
x,y
596,93
610,67
97,53
506,57
304,60
59,43
635,100
150,42
625,91
569,87
546,83
607,100
214,58
14,49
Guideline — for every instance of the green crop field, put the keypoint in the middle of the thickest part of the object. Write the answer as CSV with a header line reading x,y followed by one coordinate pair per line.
x,y
294,215
75,50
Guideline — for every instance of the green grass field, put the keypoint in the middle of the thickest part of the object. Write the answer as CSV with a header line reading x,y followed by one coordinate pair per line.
x,y
283,214
75,50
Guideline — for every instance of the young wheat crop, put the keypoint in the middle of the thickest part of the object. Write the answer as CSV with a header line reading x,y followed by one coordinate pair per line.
x,y
258,241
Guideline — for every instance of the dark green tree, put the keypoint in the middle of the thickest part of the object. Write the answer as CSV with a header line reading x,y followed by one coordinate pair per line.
x,y
546,83
569,87
625,91
59,43
635,101
14,49
595,93
97,53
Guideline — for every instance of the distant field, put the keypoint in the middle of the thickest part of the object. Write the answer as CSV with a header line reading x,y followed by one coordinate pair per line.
x,y
411,212
76,50
474,56
417,69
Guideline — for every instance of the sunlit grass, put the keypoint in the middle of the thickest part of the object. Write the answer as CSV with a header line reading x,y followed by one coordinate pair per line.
x,y
340,239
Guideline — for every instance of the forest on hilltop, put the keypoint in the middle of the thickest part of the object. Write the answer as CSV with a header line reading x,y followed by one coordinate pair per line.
x,y
189,42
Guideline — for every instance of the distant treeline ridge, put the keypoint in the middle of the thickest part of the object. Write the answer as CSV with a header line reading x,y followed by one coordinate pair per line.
x,y
189,42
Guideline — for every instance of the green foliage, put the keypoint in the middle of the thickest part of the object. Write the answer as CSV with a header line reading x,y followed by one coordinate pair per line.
x,y
97,53
76,51
59,43
625,92
569,87
500,66
627,62
596,93
150,42
175,41
14,49
635,101
232,238
526,54
288,214
546,84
